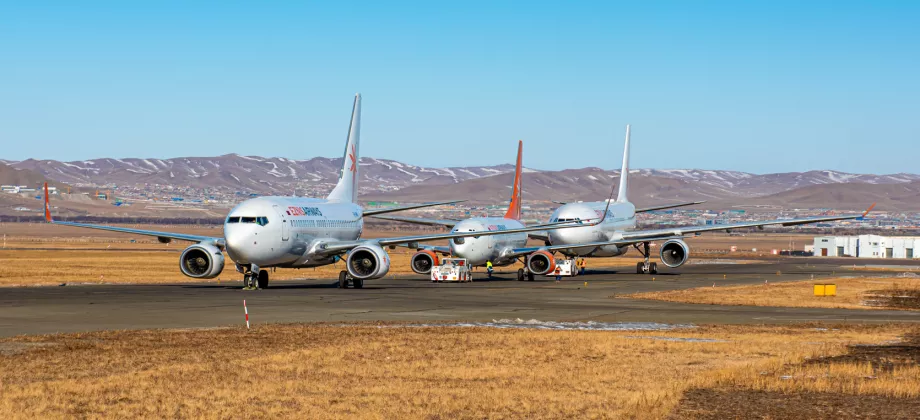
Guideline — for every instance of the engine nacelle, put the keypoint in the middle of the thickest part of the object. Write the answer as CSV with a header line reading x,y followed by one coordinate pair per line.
x,y
367,262
541,262
201,261
423,261
675,253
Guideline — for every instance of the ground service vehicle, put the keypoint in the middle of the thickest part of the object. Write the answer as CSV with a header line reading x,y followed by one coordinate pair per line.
x,y
452,269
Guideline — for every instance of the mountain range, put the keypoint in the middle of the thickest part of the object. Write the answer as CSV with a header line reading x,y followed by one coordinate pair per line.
x,y
384,179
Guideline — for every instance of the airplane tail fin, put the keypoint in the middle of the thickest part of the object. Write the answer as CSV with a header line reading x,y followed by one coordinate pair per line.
x,y
514,208
47,206
624,172
346,190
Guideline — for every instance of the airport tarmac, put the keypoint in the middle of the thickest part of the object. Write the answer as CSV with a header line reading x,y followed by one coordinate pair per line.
x,y
40,310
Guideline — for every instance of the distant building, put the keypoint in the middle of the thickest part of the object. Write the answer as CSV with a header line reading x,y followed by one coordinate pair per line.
x,y
867,246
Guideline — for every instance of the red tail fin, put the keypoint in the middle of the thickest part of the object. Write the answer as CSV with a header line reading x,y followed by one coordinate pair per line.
x,y
47,205
514,209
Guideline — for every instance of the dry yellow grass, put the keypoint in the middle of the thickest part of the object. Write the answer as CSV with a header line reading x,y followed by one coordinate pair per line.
x,y
844,378
367,371
850,293
104,260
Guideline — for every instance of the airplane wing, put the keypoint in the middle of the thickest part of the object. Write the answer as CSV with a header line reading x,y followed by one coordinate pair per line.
x,y
337,247
668,206
373,212
162,236
639,236
435,248
420,221
333,247
538,236
686,230
444,222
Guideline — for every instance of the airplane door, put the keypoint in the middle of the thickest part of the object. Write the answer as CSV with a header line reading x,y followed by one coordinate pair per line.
x,y
285,235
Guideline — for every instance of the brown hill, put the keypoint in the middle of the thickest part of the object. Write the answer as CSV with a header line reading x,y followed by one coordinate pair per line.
x,y
850,196
588,184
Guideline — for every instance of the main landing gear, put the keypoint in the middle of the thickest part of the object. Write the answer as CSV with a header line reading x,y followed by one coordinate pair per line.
x,y
521,274
254,278
645,267
344,279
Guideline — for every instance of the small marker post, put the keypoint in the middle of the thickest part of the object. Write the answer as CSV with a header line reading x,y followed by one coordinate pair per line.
x,y
246,311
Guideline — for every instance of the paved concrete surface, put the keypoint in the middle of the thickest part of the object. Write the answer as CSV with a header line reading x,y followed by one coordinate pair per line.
x,y
38,310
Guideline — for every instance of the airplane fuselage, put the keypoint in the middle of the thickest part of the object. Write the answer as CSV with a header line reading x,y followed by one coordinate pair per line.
x,y
620,217
281,231
479,250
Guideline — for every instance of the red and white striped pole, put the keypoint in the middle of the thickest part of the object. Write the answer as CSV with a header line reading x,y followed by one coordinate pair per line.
x,y
246,311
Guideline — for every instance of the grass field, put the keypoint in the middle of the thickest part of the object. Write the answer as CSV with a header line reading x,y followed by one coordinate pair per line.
x,y
851,293
393,371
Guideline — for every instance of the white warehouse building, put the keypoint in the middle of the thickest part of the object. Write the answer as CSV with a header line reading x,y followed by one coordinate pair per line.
x,y
868,246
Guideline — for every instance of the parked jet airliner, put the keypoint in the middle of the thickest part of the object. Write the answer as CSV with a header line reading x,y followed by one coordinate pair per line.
x,y
617,233
300,232
477,250
609,231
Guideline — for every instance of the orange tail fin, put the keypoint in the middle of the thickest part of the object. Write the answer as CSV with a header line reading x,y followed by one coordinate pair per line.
x,y
47,205
514,209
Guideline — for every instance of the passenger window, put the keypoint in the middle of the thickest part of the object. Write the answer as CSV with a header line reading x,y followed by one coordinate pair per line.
x,y
233,220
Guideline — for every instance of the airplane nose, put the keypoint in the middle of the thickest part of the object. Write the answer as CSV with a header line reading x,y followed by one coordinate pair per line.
x,y
236,245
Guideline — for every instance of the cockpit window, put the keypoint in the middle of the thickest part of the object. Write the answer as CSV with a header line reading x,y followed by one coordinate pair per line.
x,y
259,220
459,241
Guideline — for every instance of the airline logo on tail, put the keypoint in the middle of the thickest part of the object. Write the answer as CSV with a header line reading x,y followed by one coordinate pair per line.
x,y
354,163
514,208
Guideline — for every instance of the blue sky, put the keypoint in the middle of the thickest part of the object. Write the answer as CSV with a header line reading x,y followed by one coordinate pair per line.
x,y
755,86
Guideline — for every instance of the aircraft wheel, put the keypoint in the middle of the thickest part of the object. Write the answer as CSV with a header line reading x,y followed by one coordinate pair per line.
x,y
262,280
343,279
248,281
639,268
520,276
653,268
358,283
529,276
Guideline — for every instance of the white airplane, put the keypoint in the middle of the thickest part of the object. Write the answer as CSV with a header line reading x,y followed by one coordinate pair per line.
x,y
608,231
477,250
617,233
296,232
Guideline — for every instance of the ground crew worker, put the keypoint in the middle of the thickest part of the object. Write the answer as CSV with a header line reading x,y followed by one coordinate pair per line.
x,y
558,273
582,263
489,268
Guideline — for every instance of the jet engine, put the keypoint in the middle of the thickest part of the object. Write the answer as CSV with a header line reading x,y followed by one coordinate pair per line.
x,y
541,262
367,262
201,261
423,261
675,253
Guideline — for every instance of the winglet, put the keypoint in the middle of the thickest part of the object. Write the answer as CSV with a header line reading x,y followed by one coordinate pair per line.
x,y
869,209
514,208
47,206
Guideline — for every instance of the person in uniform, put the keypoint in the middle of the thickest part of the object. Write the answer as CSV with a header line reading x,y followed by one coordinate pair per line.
x,y
489,268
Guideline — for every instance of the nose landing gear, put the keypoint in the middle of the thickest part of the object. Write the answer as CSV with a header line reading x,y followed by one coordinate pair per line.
x,y
255,278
